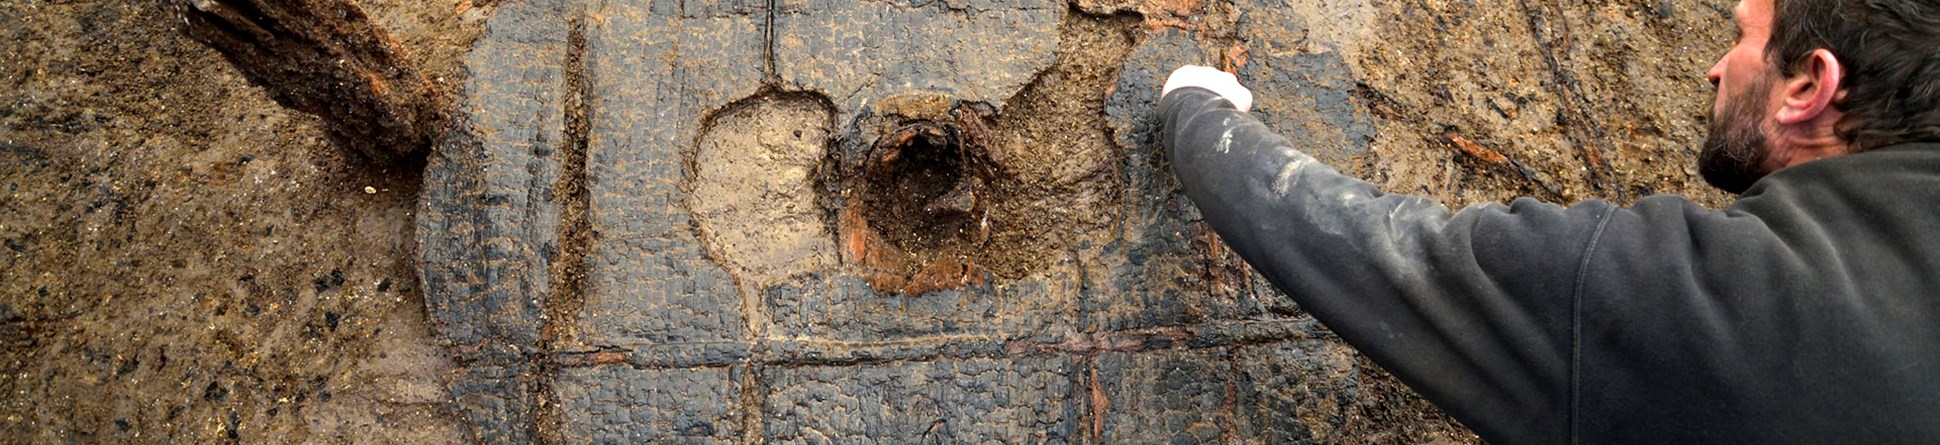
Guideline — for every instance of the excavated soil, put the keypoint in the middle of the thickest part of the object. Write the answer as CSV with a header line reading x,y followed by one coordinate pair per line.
x,y
1565,101
1053,137
755,195
188,262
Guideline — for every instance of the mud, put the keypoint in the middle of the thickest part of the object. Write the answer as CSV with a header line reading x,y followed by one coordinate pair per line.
x,y
755,197
1053,139
912,208
187,261
1597,99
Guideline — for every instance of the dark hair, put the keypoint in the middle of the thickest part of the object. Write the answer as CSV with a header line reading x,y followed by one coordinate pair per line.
x,y
1891,52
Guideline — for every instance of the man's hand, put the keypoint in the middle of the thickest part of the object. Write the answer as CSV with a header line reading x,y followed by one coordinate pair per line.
x,y
1220,82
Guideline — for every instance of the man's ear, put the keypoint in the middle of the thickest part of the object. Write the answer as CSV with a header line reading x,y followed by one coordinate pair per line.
x,y
1811,92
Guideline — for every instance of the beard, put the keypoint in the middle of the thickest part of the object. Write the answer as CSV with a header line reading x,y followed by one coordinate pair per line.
x,y
1734,151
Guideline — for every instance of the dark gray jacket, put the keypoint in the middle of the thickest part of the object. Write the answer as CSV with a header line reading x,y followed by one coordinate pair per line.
x,y
1807,311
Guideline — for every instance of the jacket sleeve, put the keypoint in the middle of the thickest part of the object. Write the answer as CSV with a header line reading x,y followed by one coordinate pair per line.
x,y
1473,308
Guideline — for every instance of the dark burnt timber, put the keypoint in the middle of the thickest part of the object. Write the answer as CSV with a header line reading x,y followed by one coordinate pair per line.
x,y
326,57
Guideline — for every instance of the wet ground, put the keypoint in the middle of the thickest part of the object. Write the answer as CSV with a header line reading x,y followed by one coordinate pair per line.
x,y
185,260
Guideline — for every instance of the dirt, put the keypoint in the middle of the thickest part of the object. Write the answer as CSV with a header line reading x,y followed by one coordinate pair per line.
x,y
1052,138
921,184
1605,101
755,196
185,260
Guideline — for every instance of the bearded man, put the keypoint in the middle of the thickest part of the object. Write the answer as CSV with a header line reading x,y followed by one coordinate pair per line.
x,y
1806,311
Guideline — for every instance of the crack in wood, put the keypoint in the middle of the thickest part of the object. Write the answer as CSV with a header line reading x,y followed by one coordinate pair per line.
x,y
797,352
566,292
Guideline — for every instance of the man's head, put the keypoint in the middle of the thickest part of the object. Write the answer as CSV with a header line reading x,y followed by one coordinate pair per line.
x,y
1814,78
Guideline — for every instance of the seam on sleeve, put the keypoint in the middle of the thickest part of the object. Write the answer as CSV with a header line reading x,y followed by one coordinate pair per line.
x,y
1576,323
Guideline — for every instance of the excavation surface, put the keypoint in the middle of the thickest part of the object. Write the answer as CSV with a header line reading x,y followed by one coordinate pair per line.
x,y
788,221
915,222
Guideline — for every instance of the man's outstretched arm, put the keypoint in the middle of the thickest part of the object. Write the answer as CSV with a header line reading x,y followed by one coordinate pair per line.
x,y
1474,308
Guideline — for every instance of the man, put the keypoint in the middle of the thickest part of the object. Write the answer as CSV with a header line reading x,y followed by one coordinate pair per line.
x,y
1807,311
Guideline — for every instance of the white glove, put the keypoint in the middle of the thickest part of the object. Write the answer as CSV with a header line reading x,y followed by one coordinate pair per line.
x,y
1220,82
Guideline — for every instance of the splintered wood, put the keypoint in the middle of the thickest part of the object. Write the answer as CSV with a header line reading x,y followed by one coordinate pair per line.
x,y
326,57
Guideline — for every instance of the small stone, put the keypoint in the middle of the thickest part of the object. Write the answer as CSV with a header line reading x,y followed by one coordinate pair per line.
x,y
368,190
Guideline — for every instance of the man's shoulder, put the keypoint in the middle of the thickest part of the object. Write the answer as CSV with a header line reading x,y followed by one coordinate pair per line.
x,y
1903,173
1900,162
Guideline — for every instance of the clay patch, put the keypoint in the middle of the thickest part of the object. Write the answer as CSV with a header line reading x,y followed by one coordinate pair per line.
x,y
754,193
